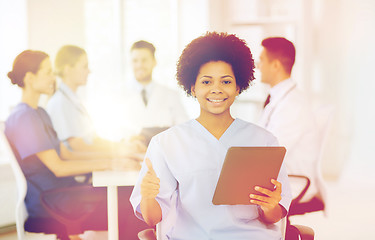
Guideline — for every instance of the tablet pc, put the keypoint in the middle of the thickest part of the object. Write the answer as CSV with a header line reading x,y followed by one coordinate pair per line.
x,y
243,169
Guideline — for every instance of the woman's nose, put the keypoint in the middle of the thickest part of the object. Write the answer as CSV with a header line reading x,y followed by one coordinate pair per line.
x,y
216,88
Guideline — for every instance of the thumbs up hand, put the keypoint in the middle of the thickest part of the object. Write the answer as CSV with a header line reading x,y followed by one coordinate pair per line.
x,y
151,183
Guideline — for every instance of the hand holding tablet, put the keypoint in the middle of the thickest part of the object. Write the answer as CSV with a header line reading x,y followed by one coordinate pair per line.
x,y
245,168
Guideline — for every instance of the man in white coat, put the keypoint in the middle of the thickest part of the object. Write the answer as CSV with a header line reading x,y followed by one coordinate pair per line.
x,y
288,115
150,104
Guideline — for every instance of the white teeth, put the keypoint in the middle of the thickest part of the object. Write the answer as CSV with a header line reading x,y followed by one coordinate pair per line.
x,y
216,100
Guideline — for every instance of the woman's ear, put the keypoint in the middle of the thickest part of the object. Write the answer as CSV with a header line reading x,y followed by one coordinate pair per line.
x,y
28,79
192,89
66,69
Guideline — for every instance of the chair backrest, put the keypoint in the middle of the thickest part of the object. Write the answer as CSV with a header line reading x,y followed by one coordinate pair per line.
x,y
20,211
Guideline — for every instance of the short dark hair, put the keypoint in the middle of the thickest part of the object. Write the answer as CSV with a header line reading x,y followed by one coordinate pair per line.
x,y
26,61
281,49
215,46
144,44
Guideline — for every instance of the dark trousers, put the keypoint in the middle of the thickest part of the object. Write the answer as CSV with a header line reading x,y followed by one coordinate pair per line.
x,y
129,224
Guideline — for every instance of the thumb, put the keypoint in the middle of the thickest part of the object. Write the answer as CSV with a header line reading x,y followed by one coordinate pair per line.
x,y
149,165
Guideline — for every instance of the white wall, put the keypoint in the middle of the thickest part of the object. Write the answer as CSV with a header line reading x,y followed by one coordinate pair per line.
x,y
344,36
54,23
357,67
13,40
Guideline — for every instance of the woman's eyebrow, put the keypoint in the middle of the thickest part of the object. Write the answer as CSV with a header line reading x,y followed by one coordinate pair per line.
x,y
226,76
205,76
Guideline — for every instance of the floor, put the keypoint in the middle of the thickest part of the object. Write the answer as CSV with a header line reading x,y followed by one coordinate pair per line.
x,y
350,216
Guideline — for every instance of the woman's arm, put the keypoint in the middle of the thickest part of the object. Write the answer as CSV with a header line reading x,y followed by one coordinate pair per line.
x,y
65,153
103,146
131,163
150,208
151,211
62,168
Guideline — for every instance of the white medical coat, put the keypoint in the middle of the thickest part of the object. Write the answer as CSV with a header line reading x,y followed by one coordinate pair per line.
x,y
164,108
289,116
188,159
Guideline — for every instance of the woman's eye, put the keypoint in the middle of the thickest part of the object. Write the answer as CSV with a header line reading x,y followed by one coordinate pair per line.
x,y
205,82
227,81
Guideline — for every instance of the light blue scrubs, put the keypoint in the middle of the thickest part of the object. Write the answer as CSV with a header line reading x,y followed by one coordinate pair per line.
x,y
30,131
188,160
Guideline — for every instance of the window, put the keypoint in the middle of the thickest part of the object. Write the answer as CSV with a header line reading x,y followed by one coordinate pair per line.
x,y
113,26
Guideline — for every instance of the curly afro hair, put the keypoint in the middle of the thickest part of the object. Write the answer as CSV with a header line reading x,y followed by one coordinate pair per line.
x,y
215,46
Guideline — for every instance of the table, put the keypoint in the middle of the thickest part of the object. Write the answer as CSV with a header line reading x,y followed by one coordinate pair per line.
x,y
112,179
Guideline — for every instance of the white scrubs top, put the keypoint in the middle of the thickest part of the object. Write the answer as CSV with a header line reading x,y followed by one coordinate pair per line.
x,y
188,159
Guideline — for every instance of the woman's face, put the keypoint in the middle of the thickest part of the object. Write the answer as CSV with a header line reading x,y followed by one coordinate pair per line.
x,y
80,71
43,81
215,88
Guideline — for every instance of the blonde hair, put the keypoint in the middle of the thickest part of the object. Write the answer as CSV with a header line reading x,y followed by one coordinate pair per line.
x,y
67,55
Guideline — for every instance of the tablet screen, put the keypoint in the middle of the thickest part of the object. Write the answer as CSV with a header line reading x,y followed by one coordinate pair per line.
x,y
243,169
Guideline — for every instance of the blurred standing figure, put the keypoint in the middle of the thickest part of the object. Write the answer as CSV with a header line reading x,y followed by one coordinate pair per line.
x,y
288,114
69,116
151,104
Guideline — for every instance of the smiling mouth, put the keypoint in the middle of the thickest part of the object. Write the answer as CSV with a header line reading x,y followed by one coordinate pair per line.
x,y
216,100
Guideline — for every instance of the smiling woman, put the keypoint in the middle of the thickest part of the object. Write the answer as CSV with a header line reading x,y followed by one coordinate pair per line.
x,y
186,159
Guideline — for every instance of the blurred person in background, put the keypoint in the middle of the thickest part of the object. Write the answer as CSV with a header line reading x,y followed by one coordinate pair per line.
x,y
150,104
288,114
70,117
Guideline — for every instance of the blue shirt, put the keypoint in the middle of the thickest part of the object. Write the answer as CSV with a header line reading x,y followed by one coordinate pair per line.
x,y
188,160
30,131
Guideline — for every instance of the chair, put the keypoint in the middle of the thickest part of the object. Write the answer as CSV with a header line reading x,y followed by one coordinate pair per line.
x,y
20,211
72,221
